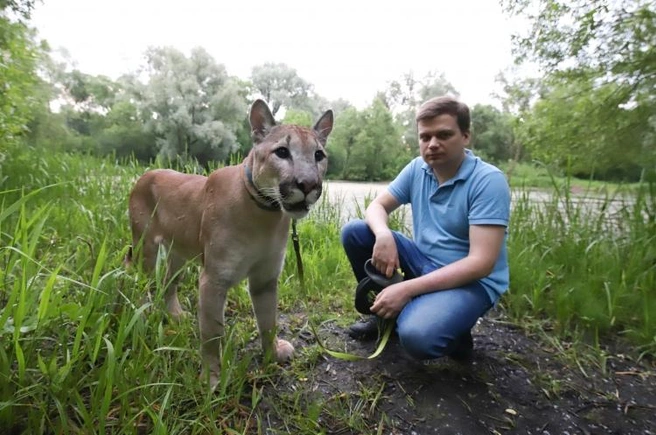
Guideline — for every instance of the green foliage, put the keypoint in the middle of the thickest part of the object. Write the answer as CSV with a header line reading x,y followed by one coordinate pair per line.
x,y
366,145
409,92
22,8
524,175
492,133
404,96
82,350
595,102
342,142
89,93
18,79
613,38
191,105
280,86
96,115
586,130
48,131
298,117
123,133
586,265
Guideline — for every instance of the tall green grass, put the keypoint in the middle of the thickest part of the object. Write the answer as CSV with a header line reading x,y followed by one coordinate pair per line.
x,y
586,264
82,350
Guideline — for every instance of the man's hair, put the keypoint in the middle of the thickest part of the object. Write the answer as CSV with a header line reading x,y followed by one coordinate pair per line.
x,y
446,105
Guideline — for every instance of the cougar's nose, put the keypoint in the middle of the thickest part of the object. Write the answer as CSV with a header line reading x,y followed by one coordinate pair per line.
x,y
307,186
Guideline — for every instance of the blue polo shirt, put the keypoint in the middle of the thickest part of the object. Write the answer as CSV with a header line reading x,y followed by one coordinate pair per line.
x,y
441,214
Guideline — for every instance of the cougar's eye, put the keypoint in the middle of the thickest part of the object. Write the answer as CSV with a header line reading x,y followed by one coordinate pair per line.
x,y
319,155
282,152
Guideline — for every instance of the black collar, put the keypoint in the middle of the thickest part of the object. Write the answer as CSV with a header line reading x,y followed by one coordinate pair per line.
x,y
262,201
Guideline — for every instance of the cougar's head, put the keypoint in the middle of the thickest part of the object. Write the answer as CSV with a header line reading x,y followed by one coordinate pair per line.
x,y
288,162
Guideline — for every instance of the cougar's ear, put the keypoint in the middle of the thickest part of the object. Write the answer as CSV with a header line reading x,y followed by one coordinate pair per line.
x,y
324,126
261,120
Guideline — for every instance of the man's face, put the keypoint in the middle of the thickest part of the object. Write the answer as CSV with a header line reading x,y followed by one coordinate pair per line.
x,y
441,143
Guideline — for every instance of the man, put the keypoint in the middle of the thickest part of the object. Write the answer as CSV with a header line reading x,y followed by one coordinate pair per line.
x,y
455,266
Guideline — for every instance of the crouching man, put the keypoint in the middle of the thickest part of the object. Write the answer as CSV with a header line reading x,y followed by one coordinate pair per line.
x,y
456,265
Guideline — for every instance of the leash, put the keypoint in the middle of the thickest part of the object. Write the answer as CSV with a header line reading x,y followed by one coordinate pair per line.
x,y
388,325
297,250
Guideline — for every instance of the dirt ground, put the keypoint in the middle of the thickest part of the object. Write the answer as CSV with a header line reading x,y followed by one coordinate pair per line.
x,y
515,384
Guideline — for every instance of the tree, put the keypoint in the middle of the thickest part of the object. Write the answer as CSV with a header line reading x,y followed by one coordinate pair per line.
x,y
409,92
281,86
367,145
19,54
23,9
404,96
89,93
123,133
298,117
560,132
85,99
193,107
613,39
517,98
338,106
605,52
342,142
492,135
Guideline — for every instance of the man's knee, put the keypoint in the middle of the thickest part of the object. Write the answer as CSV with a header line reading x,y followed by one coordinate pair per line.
x,y
422,342
351,230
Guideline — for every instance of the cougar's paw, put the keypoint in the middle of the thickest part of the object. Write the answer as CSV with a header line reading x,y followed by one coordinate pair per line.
x,y
175,310
284,351
213,379
178,316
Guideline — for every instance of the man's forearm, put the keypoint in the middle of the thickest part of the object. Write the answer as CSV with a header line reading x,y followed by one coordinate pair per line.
x,y
453,275
376,218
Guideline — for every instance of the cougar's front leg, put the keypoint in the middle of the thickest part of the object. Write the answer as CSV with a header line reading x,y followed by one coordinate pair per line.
x,y
264,295
173,276
211,306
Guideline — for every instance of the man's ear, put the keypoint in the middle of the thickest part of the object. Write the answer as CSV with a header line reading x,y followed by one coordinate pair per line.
x,y
261,120
324,126
467,136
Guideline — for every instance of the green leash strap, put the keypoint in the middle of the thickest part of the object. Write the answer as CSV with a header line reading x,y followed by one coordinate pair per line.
x,y
387,332
388,324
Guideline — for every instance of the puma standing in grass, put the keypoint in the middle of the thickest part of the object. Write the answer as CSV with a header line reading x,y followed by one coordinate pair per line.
x,y
236,222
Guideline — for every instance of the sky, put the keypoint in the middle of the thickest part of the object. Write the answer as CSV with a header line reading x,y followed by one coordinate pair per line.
x,y
346,49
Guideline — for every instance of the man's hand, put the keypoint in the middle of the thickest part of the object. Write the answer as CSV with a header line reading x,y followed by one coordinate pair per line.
x,y
390,301
385,256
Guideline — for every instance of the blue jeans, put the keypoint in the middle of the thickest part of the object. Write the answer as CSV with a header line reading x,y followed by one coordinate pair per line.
x,y
432,324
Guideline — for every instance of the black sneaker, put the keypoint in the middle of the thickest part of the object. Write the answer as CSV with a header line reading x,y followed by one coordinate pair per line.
x,y
365,330
464,350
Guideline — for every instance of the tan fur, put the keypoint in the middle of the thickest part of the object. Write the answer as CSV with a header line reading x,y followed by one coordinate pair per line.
x,y
226,221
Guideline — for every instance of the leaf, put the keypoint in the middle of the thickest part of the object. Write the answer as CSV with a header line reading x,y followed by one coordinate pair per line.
x,y
45,294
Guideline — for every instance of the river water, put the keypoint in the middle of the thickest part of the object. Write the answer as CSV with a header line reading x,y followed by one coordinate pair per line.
x,y
352,196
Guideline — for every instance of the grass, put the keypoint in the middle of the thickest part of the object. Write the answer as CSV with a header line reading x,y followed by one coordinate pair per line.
x,y
586,264
538,176
83,351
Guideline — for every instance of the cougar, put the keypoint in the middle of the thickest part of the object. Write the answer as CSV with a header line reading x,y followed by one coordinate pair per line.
x,y
235,222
